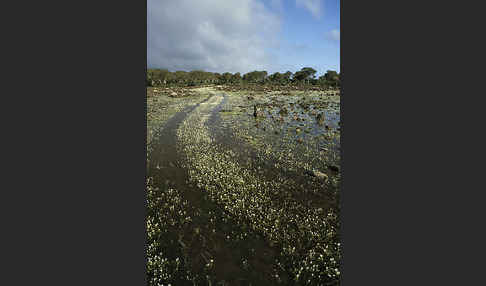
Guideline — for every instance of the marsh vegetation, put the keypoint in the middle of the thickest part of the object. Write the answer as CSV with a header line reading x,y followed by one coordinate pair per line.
x,y
243,185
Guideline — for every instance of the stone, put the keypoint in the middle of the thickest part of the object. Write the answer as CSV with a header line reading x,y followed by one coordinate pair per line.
x,y
283,111
333,168
257,111
318,174
320,118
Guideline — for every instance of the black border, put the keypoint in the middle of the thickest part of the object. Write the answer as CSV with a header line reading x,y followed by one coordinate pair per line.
x,y
407,185
76,188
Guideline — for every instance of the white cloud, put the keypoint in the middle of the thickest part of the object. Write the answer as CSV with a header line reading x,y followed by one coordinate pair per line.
x,y
314,6
212,35
334,35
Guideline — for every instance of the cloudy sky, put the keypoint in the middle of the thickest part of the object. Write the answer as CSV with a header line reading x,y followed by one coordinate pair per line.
x,y
243,35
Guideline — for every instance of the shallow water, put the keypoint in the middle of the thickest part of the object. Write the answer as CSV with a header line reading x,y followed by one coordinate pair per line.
x,y
243,190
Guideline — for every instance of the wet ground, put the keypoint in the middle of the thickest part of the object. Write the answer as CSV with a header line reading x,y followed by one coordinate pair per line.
x,y
239,199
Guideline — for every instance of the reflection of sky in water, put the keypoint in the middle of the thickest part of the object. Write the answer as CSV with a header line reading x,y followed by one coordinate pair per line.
x,y
314,136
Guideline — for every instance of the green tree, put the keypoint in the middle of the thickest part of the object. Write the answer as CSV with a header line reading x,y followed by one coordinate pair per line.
x,y
332,78
236,78
305,75
255,76
226,78
286,77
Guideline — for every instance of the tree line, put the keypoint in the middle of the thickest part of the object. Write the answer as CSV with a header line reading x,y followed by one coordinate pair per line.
x,y
306,76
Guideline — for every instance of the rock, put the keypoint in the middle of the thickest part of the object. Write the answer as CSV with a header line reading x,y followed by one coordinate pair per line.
x,y
310,173
283,111
257,111
317,174
173,94
333,168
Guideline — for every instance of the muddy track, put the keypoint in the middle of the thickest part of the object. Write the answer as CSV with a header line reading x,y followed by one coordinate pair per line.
x,y
198,239
165,164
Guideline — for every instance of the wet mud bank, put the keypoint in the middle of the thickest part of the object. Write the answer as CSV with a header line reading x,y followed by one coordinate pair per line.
x,y
208,244
231,196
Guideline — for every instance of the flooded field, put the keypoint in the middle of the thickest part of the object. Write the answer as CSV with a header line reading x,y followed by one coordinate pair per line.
x,y
243,187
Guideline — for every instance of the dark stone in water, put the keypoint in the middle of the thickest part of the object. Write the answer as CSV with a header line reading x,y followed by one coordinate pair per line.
x,y
283,111
320,118
257,111
310,173
317,174
333,168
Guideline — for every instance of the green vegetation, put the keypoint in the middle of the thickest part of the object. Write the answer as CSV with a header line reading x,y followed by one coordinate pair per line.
x,y
306,76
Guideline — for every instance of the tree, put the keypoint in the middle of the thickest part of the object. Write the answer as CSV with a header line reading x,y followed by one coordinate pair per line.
x,y
255,76
286,77
236,78
181,77
332,78
275,78
305,74
225,78
322,81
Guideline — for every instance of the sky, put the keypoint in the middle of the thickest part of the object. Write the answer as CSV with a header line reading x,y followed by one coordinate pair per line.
x,y
243,35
